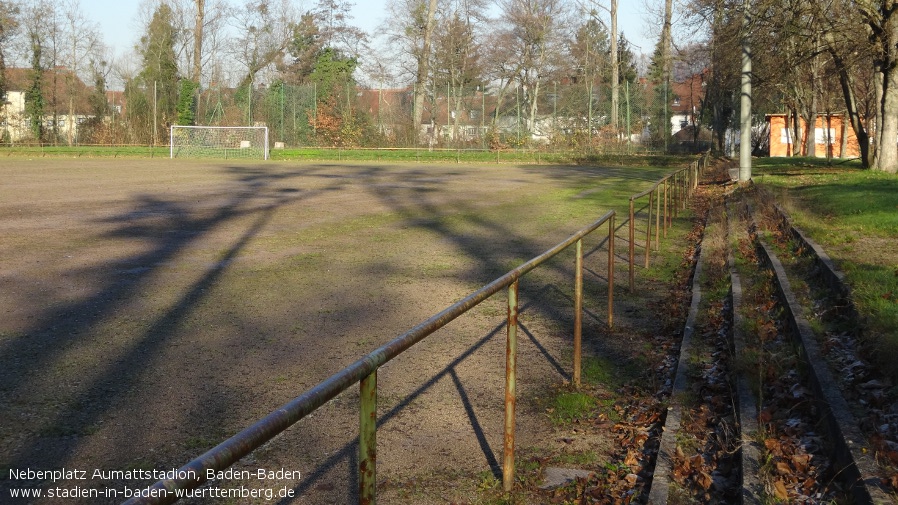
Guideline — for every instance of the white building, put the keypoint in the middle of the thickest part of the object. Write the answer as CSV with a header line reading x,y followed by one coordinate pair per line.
x,y
66,105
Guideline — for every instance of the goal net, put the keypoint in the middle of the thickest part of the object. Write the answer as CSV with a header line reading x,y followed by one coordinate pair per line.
x,y
219,142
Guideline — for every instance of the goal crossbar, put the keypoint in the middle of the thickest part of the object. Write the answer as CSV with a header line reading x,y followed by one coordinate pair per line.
x,y
219,142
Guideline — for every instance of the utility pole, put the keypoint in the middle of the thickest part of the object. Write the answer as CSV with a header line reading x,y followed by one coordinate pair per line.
x,y
615,72
745,101
155,131
666,56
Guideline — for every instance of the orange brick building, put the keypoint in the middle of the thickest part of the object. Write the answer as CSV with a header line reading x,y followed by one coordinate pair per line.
x,y
827,136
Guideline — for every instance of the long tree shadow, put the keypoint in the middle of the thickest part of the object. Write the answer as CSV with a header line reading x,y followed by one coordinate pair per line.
x,y
413,204
169,227
349,451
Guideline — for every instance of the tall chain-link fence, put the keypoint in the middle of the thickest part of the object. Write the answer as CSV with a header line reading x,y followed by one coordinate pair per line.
x,y
563,116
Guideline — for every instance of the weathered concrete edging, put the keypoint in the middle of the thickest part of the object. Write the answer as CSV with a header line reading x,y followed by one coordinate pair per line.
x,y
660,486
852,451
829,272
752,489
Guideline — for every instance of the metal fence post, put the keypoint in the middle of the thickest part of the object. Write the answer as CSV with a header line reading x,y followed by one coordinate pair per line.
x,y
658,220
611,272
578,310
648,230
511,351
667,217
368,439
675,197
632,249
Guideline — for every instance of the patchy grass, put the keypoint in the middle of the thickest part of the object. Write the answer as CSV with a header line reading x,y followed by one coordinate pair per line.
x,y
572,406
853,214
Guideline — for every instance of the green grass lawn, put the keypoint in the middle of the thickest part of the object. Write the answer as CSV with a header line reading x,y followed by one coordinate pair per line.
x,y
853,214
415,155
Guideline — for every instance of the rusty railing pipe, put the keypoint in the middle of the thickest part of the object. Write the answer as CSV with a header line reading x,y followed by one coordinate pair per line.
x,y
578,312
233,449
511,351
648,231
611,272
368,439
632,248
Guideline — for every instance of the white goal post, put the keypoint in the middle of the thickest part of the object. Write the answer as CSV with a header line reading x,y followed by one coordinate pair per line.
x,y
219,142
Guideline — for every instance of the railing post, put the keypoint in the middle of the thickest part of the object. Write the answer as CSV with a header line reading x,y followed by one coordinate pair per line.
x,y
368,439
632,248
697,176
685,198
611,271
673,197
667,217
578,311
658,220
511,351
648,230
678,193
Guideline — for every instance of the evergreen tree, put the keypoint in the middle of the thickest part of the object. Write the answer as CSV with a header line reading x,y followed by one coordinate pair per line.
x,y
34,95
159,75
187,102
660,98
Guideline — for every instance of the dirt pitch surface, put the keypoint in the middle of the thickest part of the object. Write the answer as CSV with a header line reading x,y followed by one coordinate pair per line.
x,y
151,309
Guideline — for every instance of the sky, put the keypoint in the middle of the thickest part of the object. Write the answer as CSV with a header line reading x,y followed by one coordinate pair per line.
x,y
120,27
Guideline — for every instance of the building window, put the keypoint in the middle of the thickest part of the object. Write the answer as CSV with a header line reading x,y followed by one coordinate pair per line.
x,y
676,101
474,113
821,138
786,136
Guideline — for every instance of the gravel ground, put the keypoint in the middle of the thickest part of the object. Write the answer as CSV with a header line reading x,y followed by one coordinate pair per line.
x,y
151,309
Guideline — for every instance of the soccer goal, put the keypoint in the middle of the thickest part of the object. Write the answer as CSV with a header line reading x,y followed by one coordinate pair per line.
x,y
219,142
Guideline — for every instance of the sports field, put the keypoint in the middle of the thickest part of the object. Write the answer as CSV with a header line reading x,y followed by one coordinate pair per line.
x,y
152,308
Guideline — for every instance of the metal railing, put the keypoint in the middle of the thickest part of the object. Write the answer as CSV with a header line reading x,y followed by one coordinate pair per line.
x,y
674,191
364,372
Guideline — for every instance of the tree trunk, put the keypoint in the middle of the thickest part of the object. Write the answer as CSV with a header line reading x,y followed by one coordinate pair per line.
x,y
887,152
851,109
790,134
198,43
423,67
798,139
843,147
812,111
877,118
533,110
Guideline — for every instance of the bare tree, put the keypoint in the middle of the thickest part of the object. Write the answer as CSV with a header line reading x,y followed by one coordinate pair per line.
x,y
333,20
199,22
881,20
410,30
8,23
39,44
83,41
528,44
264,30
457,53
